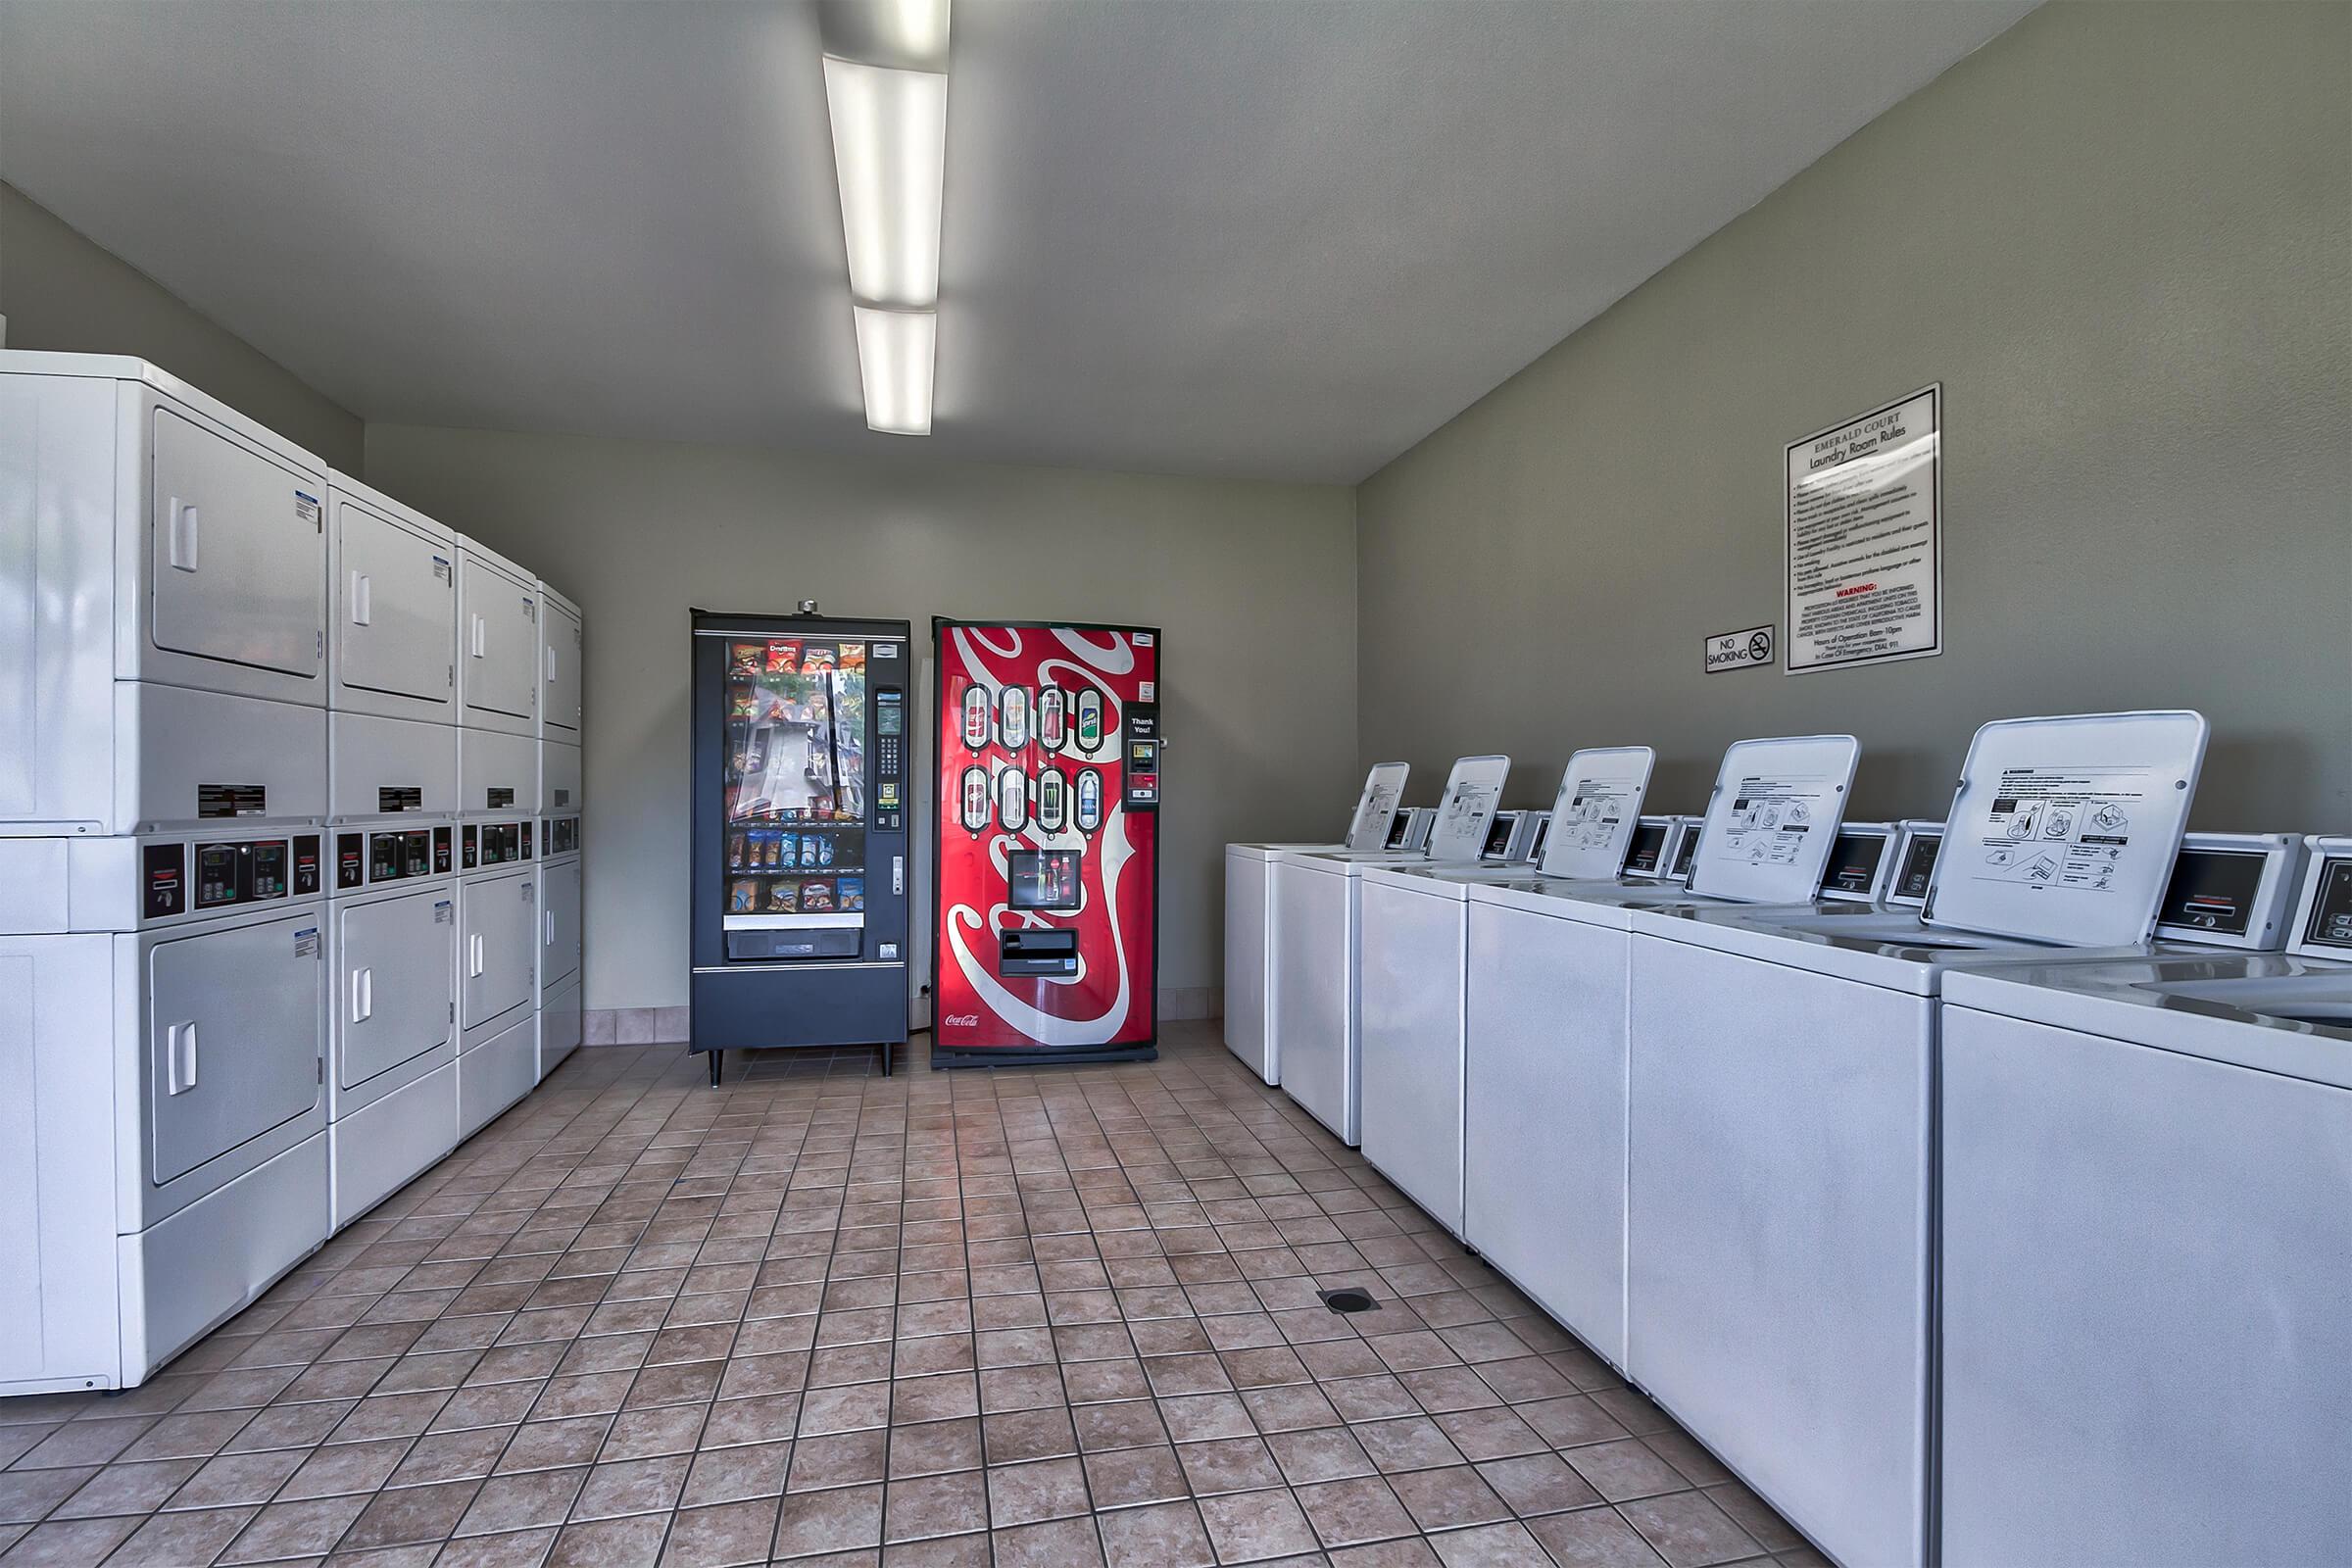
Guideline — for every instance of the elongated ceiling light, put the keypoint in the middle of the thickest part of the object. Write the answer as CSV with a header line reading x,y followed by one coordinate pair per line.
x,y
886,91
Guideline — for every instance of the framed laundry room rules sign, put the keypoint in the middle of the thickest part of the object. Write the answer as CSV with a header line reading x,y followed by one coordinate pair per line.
x,y
1865,539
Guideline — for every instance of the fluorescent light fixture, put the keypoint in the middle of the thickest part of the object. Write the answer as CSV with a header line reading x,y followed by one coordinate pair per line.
x,y
912,35
890,146
894,349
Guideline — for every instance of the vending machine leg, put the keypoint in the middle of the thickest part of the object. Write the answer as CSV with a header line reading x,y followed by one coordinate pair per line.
x,y
715,1057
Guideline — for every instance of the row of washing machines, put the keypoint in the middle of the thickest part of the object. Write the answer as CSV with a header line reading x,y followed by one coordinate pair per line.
x,y
1979,1191
290,884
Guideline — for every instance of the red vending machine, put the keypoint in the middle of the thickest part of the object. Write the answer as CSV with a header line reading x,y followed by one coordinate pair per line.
x,y
1046,880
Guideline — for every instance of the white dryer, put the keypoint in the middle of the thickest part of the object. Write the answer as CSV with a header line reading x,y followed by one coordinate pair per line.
x,y
1781,1084
163,588
392,1076
560,922
1415,940
1249,917
392,739
498,649
2147,1248
499,937
1317,918
163,1029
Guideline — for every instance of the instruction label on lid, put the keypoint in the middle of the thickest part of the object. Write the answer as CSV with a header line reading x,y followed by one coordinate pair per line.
x,y
1472,793
2066,829
1384,787
1596,812
1773,819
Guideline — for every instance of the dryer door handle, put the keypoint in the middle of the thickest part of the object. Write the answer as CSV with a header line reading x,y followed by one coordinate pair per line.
x,y
362,598
473,957
479,633
187,520
179,1057
362,995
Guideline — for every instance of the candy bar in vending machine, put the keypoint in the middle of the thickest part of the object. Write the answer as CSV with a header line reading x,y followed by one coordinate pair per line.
x,y
1045,854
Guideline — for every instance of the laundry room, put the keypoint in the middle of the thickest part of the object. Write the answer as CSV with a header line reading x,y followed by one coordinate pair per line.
x,y
919,782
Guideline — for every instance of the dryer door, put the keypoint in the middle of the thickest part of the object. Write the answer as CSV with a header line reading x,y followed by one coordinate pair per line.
x,y
560,922
560,633
233,1037
240,556
397,608
498,945
394,982
498,633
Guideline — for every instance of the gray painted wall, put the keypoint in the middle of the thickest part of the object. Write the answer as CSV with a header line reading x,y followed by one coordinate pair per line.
x,y
60,291
2117,235
1253,585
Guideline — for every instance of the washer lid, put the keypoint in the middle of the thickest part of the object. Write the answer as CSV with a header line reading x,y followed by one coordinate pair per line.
x,y
1773,817
2065,829
1598,808
1384,787
1473,790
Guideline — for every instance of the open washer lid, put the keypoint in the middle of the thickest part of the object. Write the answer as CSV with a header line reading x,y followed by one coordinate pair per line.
x,y
1384,787
2065,830
1473,790
1598,808
1773,817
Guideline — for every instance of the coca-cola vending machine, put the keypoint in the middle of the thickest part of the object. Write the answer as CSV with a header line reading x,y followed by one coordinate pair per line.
x,y
1046,877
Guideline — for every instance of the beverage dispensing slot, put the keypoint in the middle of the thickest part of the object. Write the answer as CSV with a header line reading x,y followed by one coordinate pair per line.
x,y
1037,953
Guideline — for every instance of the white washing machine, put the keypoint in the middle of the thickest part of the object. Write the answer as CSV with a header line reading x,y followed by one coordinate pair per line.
x,y
560,920
162,1114
1317,912
499,937
500,652
1544,1190
163,591
1250,917
2146,1249
1781,1081
392,741
1415,940
391,1075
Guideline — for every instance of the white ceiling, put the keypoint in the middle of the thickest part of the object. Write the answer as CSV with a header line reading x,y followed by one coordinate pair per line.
x,y
1285,239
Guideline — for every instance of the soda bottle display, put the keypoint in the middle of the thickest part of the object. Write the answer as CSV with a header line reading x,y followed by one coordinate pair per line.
x,y
1053,792
1012,798
1089,793
975,717
1012,718
975,800
1089,720
1051,711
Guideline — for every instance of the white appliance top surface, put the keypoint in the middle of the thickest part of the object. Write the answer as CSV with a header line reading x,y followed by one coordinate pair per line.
x,y
1348,862
1275,852
1773,817
2065,829
1598,808
1606,902
2272,1012
343,484
1442,881
1887,948
1384,787
122,367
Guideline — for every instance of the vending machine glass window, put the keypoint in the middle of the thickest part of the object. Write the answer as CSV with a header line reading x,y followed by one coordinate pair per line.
x,y
795,838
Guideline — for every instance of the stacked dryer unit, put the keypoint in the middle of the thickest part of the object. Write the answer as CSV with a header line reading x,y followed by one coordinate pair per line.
x,y
500,933
559,800
163,793
392,781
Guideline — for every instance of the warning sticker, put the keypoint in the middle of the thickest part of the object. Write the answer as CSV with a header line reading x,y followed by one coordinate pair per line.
x,y
2068,827
1773,819
306,509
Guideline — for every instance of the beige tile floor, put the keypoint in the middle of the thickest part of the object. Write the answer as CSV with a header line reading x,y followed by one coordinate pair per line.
x,y
1048,1318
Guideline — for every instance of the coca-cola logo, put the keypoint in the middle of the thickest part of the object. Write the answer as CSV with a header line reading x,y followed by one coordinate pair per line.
x,y
963,1020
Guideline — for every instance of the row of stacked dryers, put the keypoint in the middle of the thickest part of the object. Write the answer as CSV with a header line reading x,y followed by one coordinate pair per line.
x,y
1974,1189
289,858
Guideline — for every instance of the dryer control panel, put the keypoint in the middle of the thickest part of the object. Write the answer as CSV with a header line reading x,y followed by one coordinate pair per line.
x,y
396,855
207,877
486,844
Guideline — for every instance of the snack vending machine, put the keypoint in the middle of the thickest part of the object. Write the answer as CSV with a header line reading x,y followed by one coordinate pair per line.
x,y
1046,876
800,812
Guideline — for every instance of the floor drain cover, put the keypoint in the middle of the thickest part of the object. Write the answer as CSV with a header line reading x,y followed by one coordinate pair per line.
x,y
1349,1301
